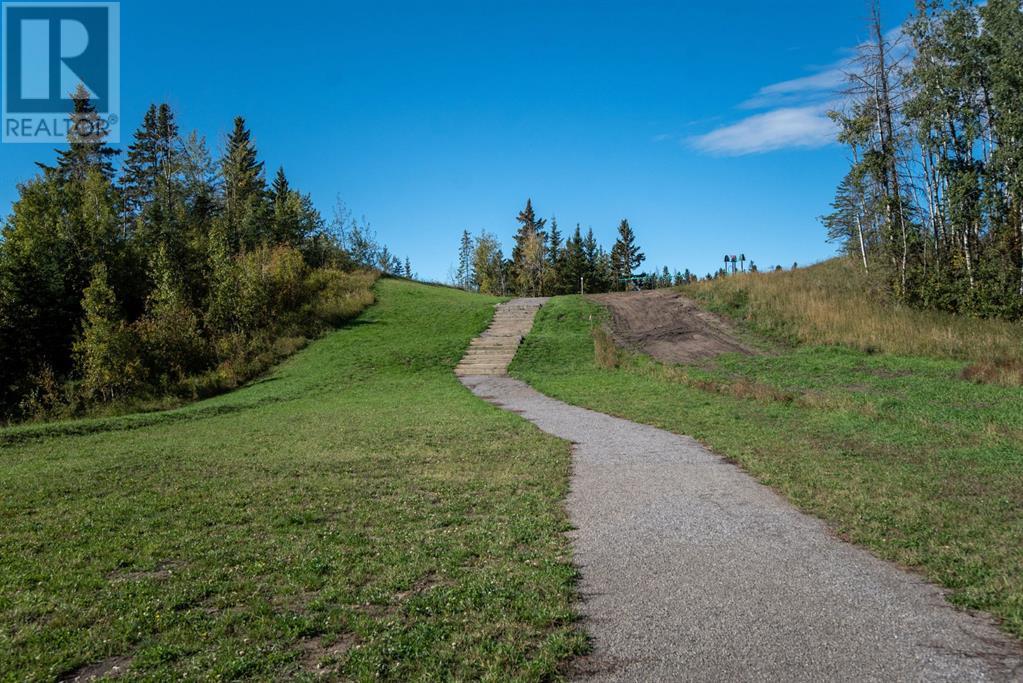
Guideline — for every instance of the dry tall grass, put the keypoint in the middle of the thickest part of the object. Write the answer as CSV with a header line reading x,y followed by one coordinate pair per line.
x,y
605,351
835,303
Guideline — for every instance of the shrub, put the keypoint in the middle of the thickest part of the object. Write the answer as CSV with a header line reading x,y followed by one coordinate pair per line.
x,y
338,297
106,352
172,342
46,397
270,287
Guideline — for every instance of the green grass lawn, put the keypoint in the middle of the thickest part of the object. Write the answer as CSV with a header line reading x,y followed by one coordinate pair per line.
x,y
896,453
355,514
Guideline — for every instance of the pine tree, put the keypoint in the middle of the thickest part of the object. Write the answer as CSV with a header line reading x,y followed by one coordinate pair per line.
x,y
244,189
625,255
138,181
154,187
280,188
408,268
554,277
167,156
597,266
293,217
574,264
87,147
285,211
529,253
463,277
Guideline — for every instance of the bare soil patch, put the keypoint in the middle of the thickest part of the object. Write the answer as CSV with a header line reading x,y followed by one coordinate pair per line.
x,y
669,326
112,667
316,652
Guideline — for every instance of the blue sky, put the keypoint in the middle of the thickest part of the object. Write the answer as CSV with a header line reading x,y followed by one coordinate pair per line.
x,y
700,122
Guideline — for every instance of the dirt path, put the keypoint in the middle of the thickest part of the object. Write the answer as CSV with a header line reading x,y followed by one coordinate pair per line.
x,y
668,326
691,570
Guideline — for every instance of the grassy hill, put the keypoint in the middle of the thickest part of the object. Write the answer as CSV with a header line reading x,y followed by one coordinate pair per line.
x,y
836,303
856,420
357,512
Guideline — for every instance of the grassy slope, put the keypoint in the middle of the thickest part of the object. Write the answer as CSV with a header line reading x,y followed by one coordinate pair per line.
x,y
358,509
897,453
834,302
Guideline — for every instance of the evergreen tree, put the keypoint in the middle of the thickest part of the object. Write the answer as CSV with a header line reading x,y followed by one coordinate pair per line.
x,y
529,253
598,275
154,188
285,229
293,216
408,268
280,188
245,194
573,266
555,281
625,255
463,277
168,154
138,181
87,146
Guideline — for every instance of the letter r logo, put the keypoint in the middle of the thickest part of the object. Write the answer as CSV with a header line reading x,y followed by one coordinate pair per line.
x,y
50,48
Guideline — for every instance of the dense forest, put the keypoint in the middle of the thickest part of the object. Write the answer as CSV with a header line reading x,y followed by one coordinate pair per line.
x,y
171,275
543,263
933,120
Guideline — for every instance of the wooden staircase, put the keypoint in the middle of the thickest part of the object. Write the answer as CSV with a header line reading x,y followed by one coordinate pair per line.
x,y
492,352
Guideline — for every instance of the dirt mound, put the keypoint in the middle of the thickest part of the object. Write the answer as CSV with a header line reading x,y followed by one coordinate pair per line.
x,y
668,326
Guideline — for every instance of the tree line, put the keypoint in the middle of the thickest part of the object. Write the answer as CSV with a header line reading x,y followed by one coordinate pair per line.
x,y
176,274
933,200
544,263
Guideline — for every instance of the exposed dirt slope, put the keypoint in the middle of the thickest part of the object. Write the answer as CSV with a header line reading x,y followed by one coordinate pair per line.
x,y
668,326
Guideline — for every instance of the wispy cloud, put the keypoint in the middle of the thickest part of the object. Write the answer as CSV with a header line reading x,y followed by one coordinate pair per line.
x,y
821,85
787,127
795,112
796,117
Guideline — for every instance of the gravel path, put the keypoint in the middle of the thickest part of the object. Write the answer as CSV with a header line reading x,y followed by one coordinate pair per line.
x,y
693,571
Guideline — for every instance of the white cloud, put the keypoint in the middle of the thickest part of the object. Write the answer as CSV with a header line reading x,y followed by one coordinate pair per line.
x,y
795,110
801,127
798,90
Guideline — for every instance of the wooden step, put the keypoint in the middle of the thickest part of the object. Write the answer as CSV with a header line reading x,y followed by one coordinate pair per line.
x,y
492,352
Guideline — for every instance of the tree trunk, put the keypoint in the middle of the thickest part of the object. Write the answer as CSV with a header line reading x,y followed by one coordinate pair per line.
x,y
1020,220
